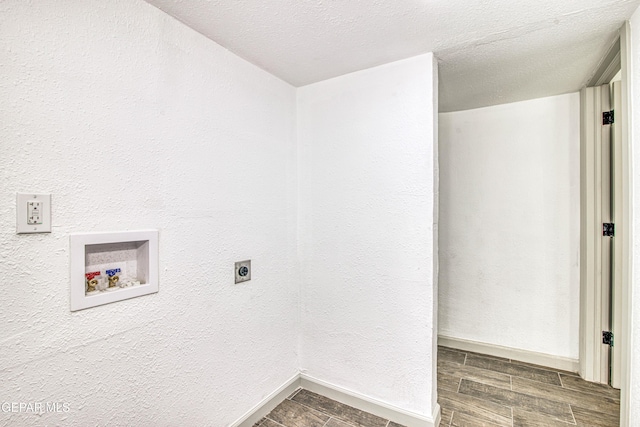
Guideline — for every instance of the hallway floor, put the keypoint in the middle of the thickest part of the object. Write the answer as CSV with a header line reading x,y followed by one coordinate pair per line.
x,y
475,390
480,390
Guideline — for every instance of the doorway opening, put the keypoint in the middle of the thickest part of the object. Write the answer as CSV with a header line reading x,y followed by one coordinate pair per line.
x,y
605,223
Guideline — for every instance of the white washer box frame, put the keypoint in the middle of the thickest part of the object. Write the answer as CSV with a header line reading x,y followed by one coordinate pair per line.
x,y
147,263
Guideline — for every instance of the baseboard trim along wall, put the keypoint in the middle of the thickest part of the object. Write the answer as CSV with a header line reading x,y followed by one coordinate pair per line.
x,y
542,359
268,403
340,394
368,404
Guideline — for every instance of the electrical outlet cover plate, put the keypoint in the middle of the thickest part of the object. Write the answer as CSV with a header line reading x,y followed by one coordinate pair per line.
x,y
39,224
243,271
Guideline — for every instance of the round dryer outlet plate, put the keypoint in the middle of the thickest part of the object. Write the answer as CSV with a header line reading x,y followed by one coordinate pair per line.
x,y
243,271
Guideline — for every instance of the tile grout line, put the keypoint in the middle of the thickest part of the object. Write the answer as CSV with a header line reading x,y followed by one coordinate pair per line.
x,y
574,417
315,409
515,362
512,420
330,415
562,386
295,393
483,370
591,392
547,380
387,423
513,404
560,378
327,422
267,418
515,366
518,363
534,366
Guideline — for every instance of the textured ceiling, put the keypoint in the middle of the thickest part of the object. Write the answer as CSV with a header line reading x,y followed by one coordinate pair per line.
x,y
490,51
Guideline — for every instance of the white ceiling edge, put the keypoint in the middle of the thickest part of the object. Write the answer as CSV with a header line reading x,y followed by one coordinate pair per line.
x,y
490,51
503,79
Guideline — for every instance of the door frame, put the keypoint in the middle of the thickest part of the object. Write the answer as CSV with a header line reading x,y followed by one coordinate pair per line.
x,y
625,60
589,326
595,257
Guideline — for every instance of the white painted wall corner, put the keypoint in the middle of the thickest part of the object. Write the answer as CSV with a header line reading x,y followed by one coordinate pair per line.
x,y
340,394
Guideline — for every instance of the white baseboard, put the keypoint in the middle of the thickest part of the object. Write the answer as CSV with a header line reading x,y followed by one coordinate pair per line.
x,y
332,391
542,359
368,404
268,403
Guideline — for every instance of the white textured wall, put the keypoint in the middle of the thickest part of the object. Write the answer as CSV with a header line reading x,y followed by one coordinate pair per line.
x,y
366,231
131,120
634,362
510,225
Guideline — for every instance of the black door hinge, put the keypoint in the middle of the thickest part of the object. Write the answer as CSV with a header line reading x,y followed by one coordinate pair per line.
x,y
607,338
608,229
607,118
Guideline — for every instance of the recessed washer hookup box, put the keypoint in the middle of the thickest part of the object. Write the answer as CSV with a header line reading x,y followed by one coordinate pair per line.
x,y
110,267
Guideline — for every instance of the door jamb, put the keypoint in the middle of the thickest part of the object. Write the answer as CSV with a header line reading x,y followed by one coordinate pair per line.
x,y
625,62
593,101
623,231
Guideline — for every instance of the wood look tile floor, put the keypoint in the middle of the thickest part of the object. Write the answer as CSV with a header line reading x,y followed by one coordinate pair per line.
x,y
480,390
475,390
307,409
